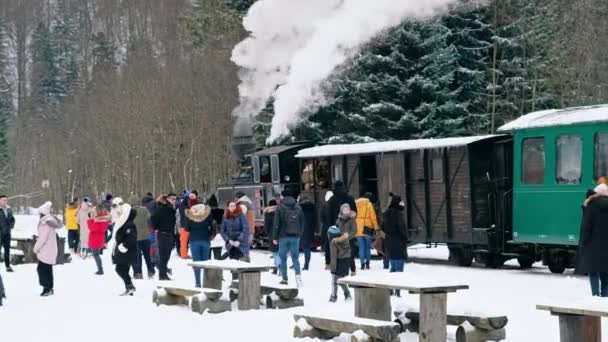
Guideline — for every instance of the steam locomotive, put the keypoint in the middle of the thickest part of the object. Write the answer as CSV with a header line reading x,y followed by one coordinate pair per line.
x,y
512,195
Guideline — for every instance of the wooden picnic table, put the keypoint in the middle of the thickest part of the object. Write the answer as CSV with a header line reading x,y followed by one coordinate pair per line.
x,y
249,275
579,320
372,300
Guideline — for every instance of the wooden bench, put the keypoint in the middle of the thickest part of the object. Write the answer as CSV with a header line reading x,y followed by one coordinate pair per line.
x,y
327,326
579,321
276,296
470,328
203,299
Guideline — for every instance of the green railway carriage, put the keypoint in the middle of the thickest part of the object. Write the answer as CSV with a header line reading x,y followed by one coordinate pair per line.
x,y
558,156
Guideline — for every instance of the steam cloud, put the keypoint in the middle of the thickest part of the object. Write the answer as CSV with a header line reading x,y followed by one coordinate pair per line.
x,y
295,45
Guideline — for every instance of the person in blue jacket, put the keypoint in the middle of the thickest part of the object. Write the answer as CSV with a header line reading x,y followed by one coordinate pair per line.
x,y
235,232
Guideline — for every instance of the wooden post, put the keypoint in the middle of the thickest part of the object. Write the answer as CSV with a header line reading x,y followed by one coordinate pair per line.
x,y
576,328
212,279
433,317
373,303
250,292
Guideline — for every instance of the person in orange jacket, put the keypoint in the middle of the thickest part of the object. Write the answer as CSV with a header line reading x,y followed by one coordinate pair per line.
x,y
367,225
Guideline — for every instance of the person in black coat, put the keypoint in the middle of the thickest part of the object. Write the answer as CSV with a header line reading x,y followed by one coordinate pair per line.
x,y
163,222
125,252
218,215
308,209
325,224
269,213
395,243
593,242
7,223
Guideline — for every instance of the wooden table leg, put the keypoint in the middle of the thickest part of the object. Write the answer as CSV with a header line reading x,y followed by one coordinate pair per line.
x,y
576,328
433,317
373,303
212,279
250,292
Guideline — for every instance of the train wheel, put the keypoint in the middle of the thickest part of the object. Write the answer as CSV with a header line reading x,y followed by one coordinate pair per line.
x,y
557,268
492,260
525,261
461,256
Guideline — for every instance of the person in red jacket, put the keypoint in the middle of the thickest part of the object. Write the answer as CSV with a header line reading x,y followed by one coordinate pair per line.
x,y
97,237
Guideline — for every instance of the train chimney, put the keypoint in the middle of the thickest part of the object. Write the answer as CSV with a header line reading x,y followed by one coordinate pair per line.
x,y
243,142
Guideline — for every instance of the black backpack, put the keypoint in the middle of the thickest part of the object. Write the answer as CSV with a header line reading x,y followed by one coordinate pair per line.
x,y
292,221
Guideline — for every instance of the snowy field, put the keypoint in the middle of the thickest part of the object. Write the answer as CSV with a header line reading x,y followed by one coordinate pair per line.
x,y
88,306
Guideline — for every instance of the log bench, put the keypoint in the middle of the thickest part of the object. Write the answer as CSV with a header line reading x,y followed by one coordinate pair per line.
x,y
327,326
579,321
470,328
203,299
276,296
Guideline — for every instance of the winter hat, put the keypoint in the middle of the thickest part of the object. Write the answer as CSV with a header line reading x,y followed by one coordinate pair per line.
x,y
339,184
329,195
45,209
396,202
198,213
272,202
123,212
344,206
601,189
87,199
333,230
109,197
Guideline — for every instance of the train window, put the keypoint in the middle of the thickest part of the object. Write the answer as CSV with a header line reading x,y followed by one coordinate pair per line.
x,y
264,164
533,161
274,169
255,161
436,169
323,174
601,154
569,159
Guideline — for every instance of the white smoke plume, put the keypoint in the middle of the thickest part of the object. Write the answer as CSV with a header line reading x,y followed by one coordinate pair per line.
x,y
295,45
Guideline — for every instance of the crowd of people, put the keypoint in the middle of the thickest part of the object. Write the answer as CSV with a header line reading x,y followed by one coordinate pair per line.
x,y
148,231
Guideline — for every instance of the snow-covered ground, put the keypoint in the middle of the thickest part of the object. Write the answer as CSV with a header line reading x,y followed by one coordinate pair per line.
x,y
86,306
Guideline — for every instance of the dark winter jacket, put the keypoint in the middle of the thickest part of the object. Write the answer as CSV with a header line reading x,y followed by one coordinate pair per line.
x,y
199,225
269,213
340,197
593,252
107,204
7,221
393,225
149,203
142,222
347,225
234,228
308,208
289,219
163,218
127,237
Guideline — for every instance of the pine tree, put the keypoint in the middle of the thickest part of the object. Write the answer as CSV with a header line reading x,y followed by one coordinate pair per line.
x,y
65,37
48,88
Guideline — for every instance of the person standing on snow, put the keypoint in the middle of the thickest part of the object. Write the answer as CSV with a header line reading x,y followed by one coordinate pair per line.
x,y
163,221
326,222
269,214
71,224
367,225
340,236
340,197
98,227
200,229
247,209
191,200
235,232
7,223
395,242
107,204
125,247
46,249
217,243
142,223
288,229
594,239
84,213
308,233
2,291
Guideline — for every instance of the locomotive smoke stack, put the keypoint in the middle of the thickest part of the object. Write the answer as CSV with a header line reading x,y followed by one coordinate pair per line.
x,y
242,138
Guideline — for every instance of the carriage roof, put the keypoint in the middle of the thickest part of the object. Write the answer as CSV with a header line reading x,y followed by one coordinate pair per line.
x,y
559,117
387,146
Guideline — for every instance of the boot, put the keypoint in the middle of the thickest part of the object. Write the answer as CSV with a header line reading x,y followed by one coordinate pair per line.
x,y
100,272
305,267
367,265
151,275
9,269
138,276
275,271
129,292
164,278
333,299
46,293
283,281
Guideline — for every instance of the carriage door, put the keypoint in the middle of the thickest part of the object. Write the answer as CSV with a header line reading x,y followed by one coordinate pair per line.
x,y
368,175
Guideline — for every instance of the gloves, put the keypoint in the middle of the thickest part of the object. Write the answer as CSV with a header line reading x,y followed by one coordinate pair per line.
x,y
122,248
236,244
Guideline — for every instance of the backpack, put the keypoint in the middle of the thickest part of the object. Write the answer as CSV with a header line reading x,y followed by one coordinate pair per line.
x,y
292,221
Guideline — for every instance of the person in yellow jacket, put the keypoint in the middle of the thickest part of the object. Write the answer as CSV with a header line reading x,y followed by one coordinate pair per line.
x,y
367,224
71,224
